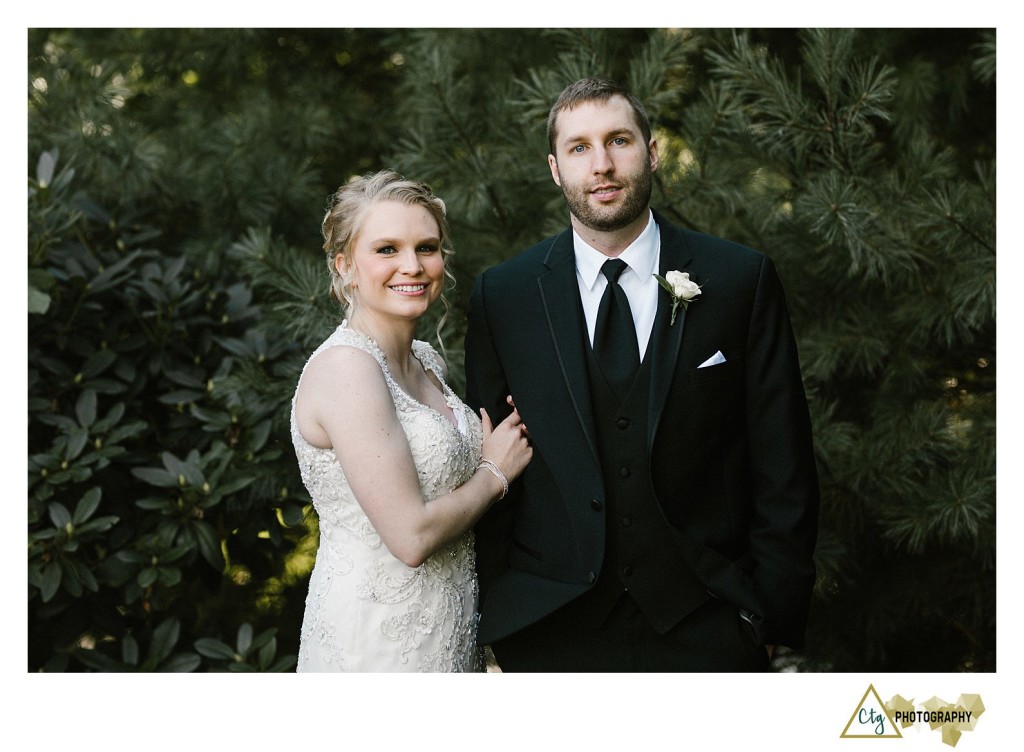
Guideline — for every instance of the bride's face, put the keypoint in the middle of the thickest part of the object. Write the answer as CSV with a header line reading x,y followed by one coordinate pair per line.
x,y
397,263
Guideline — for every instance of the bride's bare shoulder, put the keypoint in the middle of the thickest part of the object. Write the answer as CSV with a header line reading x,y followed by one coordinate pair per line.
x,y
342,366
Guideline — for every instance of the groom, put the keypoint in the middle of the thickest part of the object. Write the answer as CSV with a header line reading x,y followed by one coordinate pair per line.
x,y
667,521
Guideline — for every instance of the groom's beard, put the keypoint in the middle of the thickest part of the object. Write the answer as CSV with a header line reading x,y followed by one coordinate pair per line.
x,y
637,196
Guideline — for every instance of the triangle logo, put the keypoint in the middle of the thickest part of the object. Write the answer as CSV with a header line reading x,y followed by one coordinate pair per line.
x,y
871,719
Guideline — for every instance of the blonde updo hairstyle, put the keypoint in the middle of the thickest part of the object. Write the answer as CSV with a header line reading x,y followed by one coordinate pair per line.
x,y
346,210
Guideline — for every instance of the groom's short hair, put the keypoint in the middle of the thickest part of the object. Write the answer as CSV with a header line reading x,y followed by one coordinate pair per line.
x,y
595,90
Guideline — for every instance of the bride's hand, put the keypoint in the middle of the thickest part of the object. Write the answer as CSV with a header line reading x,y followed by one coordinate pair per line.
x,y
506,445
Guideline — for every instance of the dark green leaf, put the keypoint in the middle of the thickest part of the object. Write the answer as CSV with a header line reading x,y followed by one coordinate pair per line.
x,y
152,504
41,279
165,636
267,635
231,486
59,515
237,347
259,435
96,660
217,419
38,301
182,663
132,557
52,573
179,396
130,651
244,640
155,476
146,577
283,664
267,653
97,363
111,419
175,554
292,515
127,431
98,524
85,408
212,648
113,274
87,505
45,167
169,576
35,573
187,470
106,386
80,573
77,439
72,585
187,377
209,544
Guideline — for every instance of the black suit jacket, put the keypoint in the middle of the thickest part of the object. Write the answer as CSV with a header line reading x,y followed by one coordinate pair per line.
x,y
730,445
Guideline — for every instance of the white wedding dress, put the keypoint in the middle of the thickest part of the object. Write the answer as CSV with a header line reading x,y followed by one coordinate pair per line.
x,y
366,610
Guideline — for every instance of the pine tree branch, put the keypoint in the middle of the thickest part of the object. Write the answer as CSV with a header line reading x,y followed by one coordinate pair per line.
x,y
496,204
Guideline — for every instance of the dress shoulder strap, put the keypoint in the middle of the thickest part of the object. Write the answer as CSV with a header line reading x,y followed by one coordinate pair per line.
x,y
427,355
345,335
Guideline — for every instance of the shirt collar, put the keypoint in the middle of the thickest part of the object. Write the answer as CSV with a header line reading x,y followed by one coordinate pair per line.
x,y
641,255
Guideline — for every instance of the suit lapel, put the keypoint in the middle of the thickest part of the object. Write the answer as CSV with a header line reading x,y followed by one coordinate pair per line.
x,y
666,338
559,293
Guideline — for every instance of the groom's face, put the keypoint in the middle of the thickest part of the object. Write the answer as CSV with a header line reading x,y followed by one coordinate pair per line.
x,y
602,164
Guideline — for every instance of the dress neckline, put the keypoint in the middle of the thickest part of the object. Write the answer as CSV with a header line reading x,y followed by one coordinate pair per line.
x,y
457,419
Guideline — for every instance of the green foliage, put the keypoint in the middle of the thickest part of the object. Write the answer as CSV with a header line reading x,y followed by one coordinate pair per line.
x,y
250,654
159,656
164,499
143,420
884,229
176,287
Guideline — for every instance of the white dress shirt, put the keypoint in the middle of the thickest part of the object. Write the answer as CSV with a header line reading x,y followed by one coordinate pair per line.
x,y
637,281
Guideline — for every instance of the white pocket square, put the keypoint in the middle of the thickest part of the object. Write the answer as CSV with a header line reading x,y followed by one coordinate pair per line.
x,y
714,360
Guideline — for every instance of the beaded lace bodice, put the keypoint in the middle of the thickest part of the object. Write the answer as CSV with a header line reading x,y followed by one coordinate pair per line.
x,y
366,610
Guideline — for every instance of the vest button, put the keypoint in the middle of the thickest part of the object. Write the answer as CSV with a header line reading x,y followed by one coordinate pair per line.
x,y
596,505
627,571
624,472
626,522
622,423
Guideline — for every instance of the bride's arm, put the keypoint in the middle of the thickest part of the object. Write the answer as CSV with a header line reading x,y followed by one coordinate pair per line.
x,y
343,392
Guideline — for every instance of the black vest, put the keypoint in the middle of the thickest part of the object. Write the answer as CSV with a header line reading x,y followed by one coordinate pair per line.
x,y
641,557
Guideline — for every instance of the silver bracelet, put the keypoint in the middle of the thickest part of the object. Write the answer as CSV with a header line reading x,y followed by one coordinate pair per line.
x,y
497,474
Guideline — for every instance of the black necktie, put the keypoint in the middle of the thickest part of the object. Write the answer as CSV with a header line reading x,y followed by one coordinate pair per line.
x,y
615,336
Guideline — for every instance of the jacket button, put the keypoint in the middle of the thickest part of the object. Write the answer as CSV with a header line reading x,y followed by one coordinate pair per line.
x,y
596,505
624,472
627,571
622,423
592,577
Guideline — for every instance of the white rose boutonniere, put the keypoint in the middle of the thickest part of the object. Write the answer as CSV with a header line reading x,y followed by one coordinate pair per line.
x,y
682,289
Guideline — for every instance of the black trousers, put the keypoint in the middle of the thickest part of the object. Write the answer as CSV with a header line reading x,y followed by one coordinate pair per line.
x,y
714,638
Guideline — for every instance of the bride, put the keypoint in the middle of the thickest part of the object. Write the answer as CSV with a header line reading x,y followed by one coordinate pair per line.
x,y
399,469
